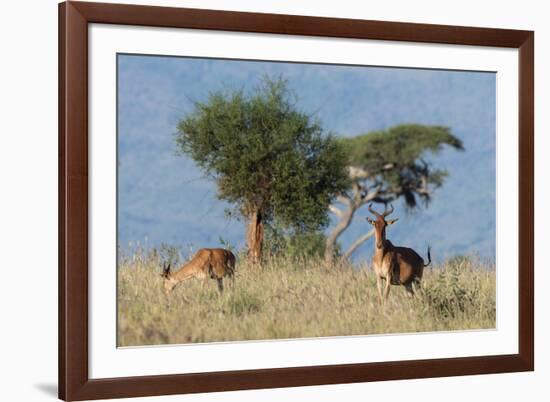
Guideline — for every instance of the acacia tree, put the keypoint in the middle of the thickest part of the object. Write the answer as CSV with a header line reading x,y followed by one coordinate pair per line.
x,y
273,162
384,166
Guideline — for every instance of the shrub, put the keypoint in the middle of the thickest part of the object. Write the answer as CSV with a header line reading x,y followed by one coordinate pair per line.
x,y
451,294
279,242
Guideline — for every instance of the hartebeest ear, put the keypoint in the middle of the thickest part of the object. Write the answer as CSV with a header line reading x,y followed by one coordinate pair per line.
x,y
165,269
392,221
369,220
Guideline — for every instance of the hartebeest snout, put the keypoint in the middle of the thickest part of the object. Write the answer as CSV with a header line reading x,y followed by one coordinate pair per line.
x,y
207,263
395,265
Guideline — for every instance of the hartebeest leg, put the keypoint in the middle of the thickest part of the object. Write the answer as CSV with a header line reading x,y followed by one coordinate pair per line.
x,y
220,284
416,284
387,288
410,290
379,286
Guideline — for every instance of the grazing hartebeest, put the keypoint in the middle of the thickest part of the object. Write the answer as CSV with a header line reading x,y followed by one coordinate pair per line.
x,y
396,265
213,263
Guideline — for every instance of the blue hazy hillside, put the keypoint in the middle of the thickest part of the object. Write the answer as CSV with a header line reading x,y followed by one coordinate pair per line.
x,y
165,198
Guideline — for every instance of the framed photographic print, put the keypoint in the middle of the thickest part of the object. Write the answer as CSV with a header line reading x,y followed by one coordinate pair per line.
x,y
259,200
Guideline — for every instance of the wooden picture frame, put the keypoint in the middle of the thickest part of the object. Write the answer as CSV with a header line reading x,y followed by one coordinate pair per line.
x,y
74,381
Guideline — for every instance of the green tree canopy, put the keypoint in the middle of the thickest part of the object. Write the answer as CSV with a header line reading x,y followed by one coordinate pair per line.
x,y
268,158
394,159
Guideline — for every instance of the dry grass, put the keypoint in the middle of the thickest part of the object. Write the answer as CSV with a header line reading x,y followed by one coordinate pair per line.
x,y
289,298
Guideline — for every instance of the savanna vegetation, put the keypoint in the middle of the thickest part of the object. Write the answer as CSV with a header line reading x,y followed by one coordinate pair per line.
x,y
294,297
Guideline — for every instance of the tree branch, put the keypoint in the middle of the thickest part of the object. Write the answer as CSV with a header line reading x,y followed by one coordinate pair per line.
x,y
344,200
335,211
357,192
358,173
376,192
357,243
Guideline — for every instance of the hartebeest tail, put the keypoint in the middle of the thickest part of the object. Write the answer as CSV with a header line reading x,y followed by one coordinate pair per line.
x,y
429,257
395,265
214,263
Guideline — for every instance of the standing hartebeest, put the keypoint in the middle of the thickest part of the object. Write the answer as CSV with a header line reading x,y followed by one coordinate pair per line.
x,y
396,265
211,263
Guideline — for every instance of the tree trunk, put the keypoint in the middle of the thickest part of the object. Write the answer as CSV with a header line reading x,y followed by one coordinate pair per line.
x,y
330,245
357,243
352,203
255,236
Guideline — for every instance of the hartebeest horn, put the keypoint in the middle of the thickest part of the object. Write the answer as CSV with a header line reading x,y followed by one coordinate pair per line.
x,y
382,215
372,211
386,212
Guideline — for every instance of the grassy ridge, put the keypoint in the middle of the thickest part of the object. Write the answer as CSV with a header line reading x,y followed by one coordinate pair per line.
x,y
293,298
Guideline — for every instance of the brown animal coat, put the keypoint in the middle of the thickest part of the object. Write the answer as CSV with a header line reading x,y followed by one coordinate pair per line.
x,y
213,263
